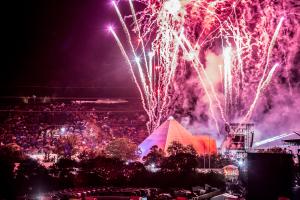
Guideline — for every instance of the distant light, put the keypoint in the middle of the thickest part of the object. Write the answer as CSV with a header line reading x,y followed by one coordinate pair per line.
x,y
137,59
152,167
241,163
39,197
63,130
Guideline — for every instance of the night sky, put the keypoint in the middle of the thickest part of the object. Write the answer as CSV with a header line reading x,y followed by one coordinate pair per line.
x,y
61,46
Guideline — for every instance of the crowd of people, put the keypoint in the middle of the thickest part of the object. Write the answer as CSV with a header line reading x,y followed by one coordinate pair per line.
x,y
68,127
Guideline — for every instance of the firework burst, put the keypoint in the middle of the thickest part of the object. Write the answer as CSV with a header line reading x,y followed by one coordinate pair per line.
x,y
179,36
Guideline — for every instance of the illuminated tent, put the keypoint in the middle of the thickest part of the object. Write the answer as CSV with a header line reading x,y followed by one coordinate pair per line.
x,y
205,144
170,131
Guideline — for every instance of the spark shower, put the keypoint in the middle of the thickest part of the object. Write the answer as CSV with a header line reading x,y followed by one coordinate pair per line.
x,y
210,58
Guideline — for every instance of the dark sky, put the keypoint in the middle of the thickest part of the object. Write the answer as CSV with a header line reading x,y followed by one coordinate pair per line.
x,y
63,44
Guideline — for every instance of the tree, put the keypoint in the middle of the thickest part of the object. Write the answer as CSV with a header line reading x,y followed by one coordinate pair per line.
x,y
190,150
65,170
11,152
106,169
67,147
32,177
10,155
181,162
155,156
182,158
88,154
134,170
176,147
123,149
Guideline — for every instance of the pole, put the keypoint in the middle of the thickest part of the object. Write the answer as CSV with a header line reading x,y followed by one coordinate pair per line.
x,y
209,152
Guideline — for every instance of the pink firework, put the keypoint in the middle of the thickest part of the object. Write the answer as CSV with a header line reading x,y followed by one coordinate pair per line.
x,y
207,56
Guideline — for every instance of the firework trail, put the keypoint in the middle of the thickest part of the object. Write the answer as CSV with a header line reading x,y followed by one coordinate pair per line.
x,y
227,77
130,65
246,35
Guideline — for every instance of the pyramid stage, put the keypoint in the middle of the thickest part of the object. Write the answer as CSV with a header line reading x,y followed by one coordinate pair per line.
x,y
170,131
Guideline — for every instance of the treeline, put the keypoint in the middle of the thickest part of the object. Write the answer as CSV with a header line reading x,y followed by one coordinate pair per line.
x,y
23,175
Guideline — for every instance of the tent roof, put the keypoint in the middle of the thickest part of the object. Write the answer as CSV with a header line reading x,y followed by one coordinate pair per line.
x,y
170,131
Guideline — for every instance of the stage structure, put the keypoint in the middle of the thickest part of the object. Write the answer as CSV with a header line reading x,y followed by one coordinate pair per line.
x,y
241,136
239,140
